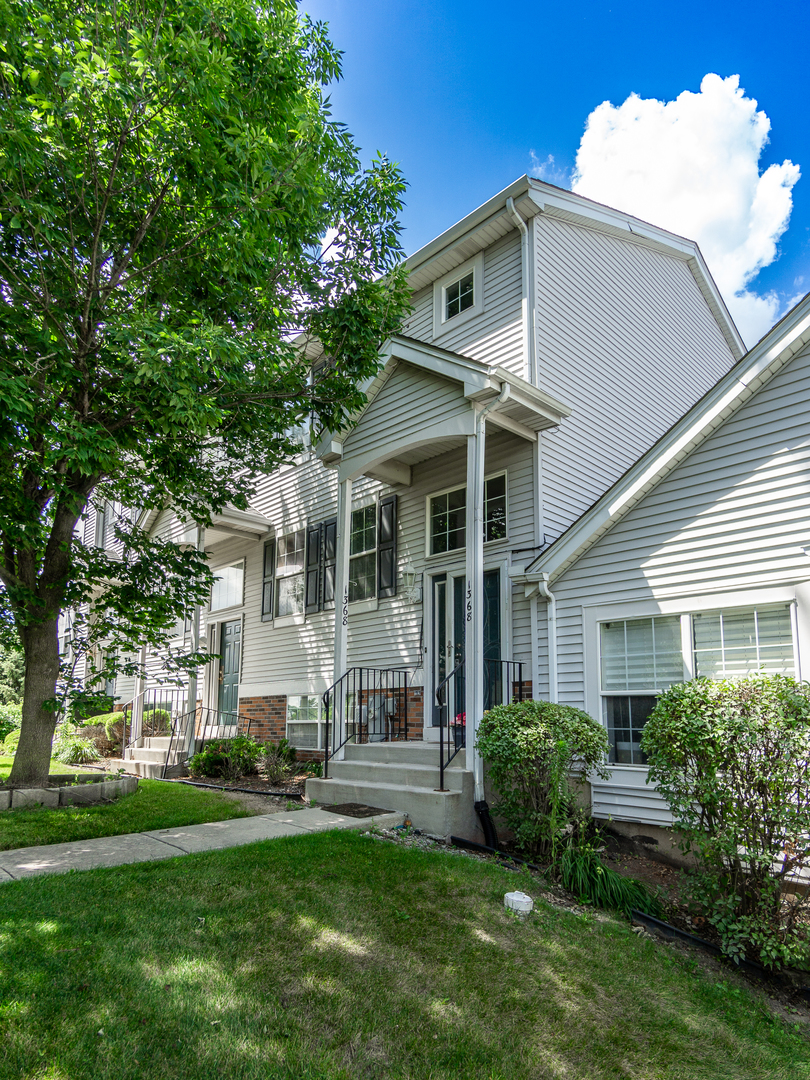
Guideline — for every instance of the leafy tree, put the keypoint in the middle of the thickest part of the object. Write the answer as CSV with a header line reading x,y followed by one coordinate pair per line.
x,y
168,172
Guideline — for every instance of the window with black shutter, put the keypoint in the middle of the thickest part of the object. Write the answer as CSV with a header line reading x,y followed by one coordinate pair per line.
x,y
329,560
313,591
387,547
268,580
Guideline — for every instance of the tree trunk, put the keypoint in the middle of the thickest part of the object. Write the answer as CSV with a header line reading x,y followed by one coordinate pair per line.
x,y
33,758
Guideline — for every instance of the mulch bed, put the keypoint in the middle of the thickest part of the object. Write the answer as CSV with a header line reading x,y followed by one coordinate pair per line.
x,y
293,786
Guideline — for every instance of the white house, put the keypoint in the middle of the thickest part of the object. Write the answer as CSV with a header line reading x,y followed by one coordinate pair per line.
x,y
552,342
696,563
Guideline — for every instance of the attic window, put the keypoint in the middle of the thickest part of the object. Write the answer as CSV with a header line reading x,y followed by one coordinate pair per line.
x,y
459,296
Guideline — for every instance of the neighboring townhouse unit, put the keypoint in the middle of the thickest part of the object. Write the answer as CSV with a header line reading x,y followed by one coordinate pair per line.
x,y
552,341
696,563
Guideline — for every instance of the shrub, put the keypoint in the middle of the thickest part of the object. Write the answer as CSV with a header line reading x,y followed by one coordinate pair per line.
x,y
226,758
10,719
531,749
10,742
157,722
106,730
732,759
72,748
278,760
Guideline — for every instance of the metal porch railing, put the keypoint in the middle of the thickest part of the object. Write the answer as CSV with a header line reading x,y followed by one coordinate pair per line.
x,y
503,683
365,705
192,731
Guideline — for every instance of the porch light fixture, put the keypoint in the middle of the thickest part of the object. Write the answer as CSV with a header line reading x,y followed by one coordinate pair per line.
x,y
413,591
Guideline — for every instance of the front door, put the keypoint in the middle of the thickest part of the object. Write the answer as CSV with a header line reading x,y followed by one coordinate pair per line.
x,y
231,641
448,622
448,640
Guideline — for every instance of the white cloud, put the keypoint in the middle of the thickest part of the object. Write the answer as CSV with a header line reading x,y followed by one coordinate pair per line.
x,y
692,166
548,170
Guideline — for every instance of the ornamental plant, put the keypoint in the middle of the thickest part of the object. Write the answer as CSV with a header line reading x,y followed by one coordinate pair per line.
x,y
732,759
226,758
538,753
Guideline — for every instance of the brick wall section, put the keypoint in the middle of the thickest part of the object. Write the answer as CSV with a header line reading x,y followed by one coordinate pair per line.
x,y
268,716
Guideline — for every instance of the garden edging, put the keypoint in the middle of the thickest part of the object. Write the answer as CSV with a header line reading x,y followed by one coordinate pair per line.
x,y
74,795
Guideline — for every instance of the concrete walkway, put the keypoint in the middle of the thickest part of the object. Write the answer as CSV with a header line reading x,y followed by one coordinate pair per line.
x,y
170,843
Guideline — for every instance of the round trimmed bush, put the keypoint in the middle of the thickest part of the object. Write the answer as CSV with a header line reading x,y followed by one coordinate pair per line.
x,y
537,752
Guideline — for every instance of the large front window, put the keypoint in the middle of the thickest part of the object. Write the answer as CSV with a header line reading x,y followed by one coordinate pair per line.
x,y
638,658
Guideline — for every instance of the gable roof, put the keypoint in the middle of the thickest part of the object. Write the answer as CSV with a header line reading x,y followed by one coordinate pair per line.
x,y
490,221
757,367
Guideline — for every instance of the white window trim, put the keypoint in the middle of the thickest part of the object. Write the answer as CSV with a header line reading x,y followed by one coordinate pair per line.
x,y
683,606
442,325
457,487
370,603
240,603
320,723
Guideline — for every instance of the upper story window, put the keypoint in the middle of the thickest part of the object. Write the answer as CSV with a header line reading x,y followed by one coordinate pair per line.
x,y
298,575
290,573
458,296
227,590
363,554
641,657
447,516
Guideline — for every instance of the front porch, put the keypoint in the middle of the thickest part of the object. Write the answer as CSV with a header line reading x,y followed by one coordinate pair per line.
x,y
428,405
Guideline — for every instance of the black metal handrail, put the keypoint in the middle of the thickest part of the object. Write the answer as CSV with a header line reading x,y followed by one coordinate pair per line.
x,y
451,689
154,712
365,705
201,726
503,683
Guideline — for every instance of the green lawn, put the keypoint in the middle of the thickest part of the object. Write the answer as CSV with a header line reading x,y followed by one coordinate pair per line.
x,y
333,957
155,805
56,768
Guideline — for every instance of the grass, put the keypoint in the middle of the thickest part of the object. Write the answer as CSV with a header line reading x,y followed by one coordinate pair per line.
x,y
56,767
336,957
155,805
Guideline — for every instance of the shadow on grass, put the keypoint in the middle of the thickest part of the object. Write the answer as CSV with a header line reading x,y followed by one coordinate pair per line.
x,y
335,955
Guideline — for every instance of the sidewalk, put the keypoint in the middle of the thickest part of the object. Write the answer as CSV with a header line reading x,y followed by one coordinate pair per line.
x,y
170,843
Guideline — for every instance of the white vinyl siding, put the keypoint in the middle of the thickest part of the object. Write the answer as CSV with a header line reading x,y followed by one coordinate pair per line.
x,y
725,530
611,315
496,335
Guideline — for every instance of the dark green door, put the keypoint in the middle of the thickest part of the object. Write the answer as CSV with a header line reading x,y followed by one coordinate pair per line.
x,y
230,653
493,677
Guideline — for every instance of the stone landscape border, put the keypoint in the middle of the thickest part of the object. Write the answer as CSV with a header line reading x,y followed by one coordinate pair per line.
x,y
79,794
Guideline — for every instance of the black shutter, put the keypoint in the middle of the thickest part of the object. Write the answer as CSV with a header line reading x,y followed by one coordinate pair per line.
x,y
268,573
313,569
387,547
329,560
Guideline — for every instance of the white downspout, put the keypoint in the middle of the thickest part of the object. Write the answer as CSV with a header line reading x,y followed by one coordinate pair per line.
x,y
528,336
543,589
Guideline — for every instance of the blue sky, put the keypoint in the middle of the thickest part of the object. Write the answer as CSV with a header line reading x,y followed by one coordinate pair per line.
x,y
469,95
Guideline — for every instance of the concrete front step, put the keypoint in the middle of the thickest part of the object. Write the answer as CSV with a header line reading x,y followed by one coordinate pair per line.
x,y
143,753
414,753
443,813
404,774
149,769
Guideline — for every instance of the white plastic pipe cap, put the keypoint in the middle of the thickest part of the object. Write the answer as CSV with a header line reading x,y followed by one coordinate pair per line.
x,y
518,901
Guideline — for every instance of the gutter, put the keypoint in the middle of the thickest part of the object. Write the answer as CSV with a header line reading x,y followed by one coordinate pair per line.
x,y
525,254
543,590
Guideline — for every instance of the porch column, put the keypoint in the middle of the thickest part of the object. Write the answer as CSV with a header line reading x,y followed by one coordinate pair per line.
x,y
344,528
474,615
191,703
